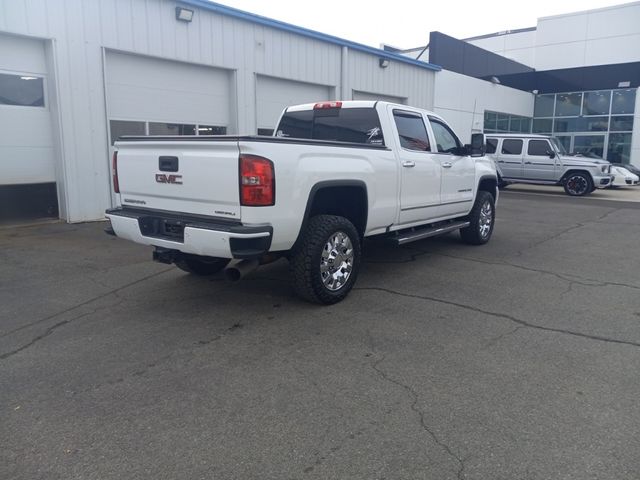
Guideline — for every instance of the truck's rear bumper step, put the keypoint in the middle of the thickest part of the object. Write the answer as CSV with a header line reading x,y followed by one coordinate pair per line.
x,y
420,234
190,234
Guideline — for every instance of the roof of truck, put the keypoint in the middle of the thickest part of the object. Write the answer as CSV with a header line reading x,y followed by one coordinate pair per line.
x,y
356,104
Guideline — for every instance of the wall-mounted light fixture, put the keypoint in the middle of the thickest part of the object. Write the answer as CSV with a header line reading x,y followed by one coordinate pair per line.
x,y
383,62
184,14
495,80
535,92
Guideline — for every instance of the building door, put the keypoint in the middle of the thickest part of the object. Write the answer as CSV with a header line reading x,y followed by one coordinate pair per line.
x,y
27,182
273,95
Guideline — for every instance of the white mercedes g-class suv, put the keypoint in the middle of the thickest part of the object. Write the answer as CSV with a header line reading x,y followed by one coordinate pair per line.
x,y
332,174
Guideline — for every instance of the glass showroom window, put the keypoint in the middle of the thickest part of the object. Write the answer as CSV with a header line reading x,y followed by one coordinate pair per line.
x,y
619,148
592,123
496,122
21,90
568,104
544,106
596,103
623,101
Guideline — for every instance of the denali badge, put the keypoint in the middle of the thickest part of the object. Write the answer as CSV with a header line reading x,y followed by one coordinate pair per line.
x,y
164,178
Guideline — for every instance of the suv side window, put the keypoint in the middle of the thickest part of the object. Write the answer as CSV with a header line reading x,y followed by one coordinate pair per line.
x,y
539,147
511,146
492,145
446,140
412,132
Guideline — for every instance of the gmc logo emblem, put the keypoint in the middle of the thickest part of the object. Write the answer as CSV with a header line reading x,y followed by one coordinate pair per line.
x,y
164,178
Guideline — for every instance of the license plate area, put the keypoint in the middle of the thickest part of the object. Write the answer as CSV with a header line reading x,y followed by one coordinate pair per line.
x,y
162,228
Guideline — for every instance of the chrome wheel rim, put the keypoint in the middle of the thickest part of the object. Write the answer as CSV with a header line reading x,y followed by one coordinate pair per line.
x,y
336,261
576,185
486,218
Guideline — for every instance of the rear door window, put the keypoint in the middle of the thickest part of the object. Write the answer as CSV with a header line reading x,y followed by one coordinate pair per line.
x,y
511,146
411,131
354,125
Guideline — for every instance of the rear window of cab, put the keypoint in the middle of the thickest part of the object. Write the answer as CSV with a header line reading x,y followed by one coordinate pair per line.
x,y
354,125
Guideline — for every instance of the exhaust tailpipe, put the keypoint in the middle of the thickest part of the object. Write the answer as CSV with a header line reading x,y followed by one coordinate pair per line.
x,y
237,271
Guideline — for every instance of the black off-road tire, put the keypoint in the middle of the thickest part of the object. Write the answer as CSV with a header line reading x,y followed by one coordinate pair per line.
x,y
578,184
201,266
476,233
305,259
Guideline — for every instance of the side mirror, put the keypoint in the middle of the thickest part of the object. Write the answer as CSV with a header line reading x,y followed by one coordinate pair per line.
x,y
552,154
478,145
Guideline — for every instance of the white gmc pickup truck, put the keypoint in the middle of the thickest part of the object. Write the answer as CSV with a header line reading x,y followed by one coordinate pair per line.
x,y
332,174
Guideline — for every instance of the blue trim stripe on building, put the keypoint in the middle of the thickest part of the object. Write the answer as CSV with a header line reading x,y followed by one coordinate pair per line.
x,y
287,27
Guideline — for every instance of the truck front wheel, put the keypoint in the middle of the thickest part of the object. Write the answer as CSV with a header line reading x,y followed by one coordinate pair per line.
x,y
325,263
201,266
481,220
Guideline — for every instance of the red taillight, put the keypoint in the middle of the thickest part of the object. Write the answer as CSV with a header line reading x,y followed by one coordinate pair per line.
x,y
114,173
257,181
323,105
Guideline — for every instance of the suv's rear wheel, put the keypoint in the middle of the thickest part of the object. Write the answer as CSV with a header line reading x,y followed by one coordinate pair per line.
x,y
201,265
578,184
481,218
325,264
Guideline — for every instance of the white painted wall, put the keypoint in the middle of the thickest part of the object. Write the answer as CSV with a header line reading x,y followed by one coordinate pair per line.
x,y
77,34
518,46
462,100
594,37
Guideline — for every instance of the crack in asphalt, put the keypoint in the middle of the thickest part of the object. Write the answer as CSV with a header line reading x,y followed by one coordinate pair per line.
x,y
565,231
48,332
574,279
161,360
414,406
496,339
86,302
504,316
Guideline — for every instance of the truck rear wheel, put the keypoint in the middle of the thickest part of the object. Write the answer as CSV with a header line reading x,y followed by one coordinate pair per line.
x,y
325,264
201,266
481,218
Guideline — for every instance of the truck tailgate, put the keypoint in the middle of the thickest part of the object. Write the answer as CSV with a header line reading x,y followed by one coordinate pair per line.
x,y
195,177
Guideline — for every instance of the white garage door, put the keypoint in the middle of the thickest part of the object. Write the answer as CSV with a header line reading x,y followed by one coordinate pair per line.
x,y
161,97
26,132
274,94
359,95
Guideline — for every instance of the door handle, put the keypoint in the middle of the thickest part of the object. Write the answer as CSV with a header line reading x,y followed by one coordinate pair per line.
x,y
447,164
408,164
527,163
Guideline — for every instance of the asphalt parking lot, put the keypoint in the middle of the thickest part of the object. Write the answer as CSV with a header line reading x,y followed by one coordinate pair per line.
x,y
515,360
